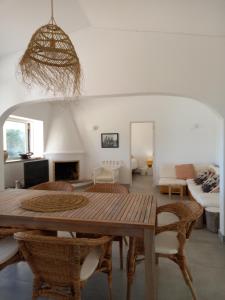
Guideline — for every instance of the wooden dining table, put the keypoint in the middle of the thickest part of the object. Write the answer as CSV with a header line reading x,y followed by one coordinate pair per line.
x,y
130,214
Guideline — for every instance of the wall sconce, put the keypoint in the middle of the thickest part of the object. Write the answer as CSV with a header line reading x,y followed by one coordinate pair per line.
x,y
195,126
95,127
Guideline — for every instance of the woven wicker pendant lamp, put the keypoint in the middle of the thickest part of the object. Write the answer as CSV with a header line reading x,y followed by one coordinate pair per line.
x,y
50,61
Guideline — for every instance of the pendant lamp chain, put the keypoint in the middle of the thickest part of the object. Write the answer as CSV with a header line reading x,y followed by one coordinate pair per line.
x,y
52,13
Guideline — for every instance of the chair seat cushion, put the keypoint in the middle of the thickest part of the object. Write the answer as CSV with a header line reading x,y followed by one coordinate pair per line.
x,y
90,264
65,234
166,242
8,248
165,218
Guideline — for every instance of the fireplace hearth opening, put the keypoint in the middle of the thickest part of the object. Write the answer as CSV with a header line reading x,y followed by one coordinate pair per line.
x,y
66,170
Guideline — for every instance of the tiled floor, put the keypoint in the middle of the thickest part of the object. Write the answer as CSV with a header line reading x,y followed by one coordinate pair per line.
x,y
206,257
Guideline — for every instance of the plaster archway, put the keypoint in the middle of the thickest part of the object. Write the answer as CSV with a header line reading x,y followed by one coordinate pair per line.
x,y
41,100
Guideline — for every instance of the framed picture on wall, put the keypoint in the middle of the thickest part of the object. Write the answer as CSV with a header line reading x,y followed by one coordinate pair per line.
x,y
110,140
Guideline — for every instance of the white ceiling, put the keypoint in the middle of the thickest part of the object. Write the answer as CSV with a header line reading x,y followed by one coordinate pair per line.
x,y
20,18
189,16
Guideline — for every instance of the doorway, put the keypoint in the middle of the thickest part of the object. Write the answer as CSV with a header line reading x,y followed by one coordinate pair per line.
x,y
142,153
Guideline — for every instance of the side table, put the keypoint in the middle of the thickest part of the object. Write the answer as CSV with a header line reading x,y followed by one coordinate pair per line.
x,y
179,187
212,218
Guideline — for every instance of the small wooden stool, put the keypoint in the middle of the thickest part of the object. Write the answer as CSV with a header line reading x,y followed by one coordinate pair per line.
x,y
179,187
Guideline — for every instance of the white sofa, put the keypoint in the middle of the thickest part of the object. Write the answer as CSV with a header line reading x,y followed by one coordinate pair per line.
x,y
167,175
205,199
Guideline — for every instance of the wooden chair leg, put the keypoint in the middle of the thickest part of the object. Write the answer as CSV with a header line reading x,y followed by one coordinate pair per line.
x,y
110,286
170,191
125,240
129,283
189,273
187,279
77,291
36,287
131,265
181,192
121,253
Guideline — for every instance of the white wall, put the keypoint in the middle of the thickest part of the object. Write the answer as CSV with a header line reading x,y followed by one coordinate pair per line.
x,y
142,142
14,170
185,130
37,111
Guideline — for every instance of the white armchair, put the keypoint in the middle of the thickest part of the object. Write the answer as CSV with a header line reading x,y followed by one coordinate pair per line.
x,y
107,172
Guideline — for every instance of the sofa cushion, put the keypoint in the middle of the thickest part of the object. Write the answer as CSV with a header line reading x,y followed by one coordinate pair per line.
x,y
202,176
167,171
215,169
215,189
172,181
185,171
210,183
199,168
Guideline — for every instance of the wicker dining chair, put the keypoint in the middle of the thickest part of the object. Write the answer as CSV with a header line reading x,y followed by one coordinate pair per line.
x,y
108,188
169,241
111,188
9,248
54,186
62,265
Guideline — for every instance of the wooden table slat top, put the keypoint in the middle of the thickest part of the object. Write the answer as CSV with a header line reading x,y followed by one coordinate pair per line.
x,y
110,214
133,208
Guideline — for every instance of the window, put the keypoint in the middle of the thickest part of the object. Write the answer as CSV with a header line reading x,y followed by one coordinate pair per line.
x,y
16,137
21,136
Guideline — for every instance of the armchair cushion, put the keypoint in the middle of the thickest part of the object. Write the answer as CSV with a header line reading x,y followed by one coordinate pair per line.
x,y
104,178
108,172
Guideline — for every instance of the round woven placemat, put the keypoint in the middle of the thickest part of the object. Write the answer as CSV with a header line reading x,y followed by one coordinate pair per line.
x,y
54,202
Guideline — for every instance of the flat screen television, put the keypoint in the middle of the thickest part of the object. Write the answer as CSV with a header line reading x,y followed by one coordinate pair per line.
x,y
35,172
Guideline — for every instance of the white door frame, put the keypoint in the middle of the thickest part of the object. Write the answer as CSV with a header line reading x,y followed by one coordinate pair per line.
x,y
153,141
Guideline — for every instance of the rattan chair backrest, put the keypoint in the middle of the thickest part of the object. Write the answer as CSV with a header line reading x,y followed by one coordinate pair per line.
x,y
57,260
54,186
107,188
